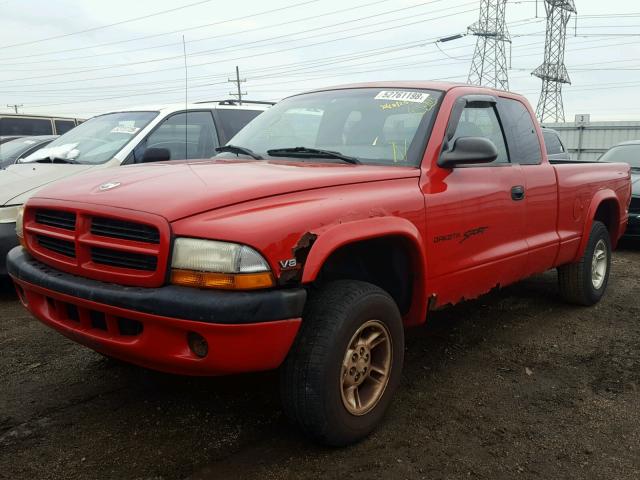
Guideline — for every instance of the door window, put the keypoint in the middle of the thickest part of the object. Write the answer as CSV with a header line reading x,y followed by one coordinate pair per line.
x,y
482,122
188,135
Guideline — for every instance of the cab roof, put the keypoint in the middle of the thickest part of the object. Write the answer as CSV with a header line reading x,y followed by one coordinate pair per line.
x,y
420,84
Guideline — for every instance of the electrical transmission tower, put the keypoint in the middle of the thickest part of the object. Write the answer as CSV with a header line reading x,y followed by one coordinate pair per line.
x,y
553,72
489,64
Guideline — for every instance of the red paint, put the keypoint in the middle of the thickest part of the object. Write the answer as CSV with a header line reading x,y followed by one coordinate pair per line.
x,y
162,345
270,205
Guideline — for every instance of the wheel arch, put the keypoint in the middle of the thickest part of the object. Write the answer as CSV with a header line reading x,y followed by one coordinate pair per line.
x,y
373,235
604,207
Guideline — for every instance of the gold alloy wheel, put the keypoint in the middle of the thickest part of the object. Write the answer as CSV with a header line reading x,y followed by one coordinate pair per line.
x,y
366,367
599,264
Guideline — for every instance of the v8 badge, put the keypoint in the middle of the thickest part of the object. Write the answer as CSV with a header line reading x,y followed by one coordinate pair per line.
x,y
288,264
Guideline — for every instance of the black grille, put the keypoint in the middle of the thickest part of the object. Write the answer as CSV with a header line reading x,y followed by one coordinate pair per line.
x,y
635,205
116,258
109,227
56,218
63,247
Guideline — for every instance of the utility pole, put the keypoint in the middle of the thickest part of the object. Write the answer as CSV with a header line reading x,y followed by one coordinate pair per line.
x,y
15,107
553,71
489,65
238,81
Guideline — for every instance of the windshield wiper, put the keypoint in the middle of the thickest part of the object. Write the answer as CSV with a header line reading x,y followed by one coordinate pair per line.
x,y
53,160
239,150
306,152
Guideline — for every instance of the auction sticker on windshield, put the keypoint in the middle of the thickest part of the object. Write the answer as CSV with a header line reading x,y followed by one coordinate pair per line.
x,y
405,96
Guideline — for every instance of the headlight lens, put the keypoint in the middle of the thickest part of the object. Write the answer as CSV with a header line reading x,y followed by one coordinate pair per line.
x,y
9,214
214,264
20,222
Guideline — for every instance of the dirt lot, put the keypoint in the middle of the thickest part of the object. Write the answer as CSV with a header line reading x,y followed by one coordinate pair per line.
x,y
515,384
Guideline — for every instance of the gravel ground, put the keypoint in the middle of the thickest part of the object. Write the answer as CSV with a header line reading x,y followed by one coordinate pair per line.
x,y
515,384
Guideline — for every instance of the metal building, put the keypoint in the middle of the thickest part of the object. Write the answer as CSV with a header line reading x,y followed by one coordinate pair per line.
x,y
587,140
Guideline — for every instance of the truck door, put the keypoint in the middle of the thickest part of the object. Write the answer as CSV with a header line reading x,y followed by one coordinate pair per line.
x,y
541,189
475,220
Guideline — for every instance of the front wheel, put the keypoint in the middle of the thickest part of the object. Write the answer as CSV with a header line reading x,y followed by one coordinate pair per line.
x,y
585,282
341,373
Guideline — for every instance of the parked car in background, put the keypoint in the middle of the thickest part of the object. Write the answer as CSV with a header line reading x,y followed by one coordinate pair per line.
x,y
312,245
27,125
555,148
8,138
14,150
144,135
629,152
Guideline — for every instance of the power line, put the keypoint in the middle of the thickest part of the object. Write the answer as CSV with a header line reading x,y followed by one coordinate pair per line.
x,y
102,27
233,48
224,35
137,39
261,54
239,46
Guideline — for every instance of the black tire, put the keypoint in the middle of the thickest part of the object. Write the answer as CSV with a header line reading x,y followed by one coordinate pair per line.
x,y
311,377
575,279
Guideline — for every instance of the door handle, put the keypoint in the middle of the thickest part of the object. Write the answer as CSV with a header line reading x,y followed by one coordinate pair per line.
x,y
517,193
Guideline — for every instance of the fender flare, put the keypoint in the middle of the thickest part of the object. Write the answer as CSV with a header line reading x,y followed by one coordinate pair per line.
x,y
331,239
597,200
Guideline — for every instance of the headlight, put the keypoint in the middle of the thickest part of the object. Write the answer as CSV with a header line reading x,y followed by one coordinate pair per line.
x,y
9,214
213,264
19,223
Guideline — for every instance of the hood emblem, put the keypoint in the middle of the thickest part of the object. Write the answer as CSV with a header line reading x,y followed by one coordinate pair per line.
x,y
109,186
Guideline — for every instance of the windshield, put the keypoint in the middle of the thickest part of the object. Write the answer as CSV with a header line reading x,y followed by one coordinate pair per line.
x,y
374,125
97,140
623,153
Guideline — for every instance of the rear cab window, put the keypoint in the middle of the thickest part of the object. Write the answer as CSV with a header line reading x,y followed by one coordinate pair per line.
x,y
522,137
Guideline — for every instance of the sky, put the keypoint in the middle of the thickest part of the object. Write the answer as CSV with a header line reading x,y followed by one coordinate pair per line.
x,y
83,58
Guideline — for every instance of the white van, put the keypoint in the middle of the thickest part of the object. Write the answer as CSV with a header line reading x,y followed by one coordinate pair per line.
x,y
175,132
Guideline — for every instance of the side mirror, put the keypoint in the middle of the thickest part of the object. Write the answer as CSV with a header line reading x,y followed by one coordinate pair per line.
x,y
469,151
156,155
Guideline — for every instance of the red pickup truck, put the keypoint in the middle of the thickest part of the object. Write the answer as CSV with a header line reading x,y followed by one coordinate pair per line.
x,y
327,225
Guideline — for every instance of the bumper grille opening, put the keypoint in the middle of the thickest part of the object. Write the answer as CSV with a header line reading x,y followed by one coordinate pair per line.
x,y
116,258
109,227
57,219
72,313
62,247
128,327
635,205
98,320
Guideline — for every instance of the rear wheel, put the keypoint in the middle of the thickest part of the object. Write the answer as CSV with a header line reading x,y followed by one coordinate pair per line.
x,y
585,282
341,373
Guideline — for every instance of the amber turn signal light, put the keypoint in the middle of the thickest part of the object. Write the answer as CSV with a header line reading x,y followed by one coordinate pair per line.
x,y
224,281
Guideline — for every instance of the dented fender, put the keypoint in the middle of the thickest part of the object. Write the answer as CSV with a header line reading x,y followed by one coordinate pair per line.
x,y
331,238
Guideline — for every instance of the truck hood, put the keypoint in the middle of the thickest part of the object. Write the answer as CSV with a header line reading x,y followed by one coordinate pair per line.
x,y
19,181
180,189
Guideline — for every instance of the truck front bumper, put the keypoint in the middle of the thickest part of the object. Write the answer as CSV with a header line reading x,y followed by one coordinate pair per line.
x,y
8,240
151,327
